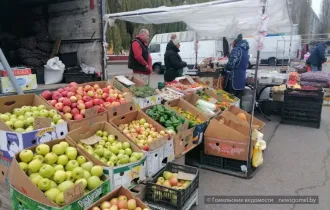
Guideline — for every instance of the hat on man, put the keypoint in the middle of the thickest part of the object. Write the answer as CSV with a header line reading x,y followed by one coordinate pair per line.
x,y
176,41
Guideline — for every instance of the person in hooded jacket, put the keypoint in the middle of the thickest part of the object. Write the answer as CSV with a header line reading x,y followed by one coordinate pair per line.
x,y
173,62
317,57
236,67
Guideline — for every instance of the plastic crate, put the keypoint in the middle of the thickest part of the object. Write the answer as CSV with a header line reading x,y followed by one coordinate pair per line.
x,y
40,74
303,95
173,198
306,123
79,77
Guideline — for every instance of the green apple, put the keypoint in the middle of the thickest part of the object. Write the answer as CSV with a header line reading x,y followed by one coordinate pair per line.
x,y
19,130
87,166
44,113
114,150
132,159
35,165
65,186
62,160
47,171
83,181
58,149
35,114
107,154
105,133
64,144
10,124
81,160
71,165
89,148
128,151
120,145
121,151
78,173
34,108
42,149
91,152
99,151
18,124
35,180
59,200
142,121
111,138
41,107
56,118
8,113
51,194
21,118
54,185
18,112
103,160
26,108
59,167
110,163
28,114
126,145
124,159
107,144
32,175
51,158
99,133
69,176
52,113
87,174
136,155
4,117
120,156
71,153
60,121
24,166
59,176
97,171
52,124
114,159
29,129
44,184
102,142
93,182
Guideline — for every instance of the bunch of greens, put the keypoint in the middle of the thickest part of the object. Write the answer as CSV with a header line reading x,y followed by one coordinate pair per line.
x,y
142,91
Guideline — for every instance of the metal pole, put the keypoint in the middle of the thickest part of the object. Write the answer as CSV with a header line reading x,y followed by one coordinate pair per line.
x,y
10,73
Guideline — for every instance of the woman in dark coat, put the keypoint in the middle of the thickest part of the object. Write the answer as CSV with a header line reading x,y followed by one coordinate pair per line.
x,y
236,67
173,62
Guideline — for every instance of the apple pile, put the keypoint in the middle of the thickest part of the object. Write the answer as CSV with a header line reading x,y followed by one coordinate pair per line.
x,y
121,202
57,169
141,133
169,180
72,101
110,151
22,119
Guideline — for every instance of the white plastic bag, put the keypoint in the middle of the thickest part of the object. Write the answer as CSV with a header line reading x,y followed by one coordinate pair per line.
x,y
88,69
54,71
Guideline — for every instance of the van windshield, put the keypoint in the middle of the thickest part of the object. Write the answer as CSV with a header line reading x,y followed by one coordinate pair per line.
x,y
154,48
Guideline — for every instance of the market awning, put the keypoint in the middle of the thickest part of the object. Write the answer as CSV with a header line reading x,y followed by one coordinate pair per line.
x,y
222,18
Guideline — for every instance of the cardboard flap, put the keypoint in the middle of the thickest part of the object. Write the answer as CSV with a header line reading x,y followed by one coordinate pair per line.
x,y
216,129
8,103
235,110
85,132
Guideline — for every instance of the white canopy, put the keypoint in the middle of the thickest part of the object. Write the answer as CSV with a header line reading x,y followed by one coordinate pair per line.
x,y
217,19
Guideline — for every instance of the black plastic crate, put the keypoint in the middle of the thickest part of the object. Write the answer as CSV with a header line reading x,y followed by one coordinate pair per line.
x,y
79,77
40,74
69,59
173,198
305,123
293,114
303,95
302,106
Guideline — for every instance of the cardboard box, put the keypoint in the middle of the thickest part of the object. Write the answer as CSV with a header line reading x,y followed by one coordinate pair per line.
x,y
26,82
124,175
18,71
141,103
258,124
119,191
125,88
186,142
25,195
193,98
137,115
228,139
13,142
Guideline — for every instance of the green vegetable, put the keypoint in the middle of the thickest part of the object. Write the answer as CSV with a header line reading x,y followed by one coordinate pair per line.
x,y
142,92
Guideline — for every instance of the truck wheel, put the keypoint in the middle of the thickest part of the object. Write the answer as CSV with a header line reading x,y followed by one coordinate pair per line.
x,y
272,62
157,69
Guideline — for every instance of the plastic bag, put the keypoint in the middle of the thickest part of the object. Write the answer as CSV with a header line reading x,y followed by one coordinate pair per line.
x,y
54,71
257,158
87,69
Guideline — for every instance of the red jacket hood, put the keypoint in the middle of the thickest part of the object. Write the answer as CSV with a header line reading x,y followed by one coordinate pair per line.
x,y
138,36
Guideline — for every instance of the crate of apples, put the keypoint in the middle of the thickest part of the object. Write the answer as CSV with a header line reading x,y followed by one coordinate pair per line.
x,y
73,100
111,151
169,179
55,169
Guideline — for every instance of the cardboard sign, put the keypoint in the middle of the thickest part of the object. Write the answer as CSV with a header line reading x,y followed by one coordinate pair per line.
x,y
185,176
91,140
190,79
74,193
91,112
42,122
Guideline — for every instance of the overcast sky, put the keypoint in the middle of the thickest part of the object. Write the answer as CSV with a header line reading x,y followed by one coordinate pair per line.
x,y
316,4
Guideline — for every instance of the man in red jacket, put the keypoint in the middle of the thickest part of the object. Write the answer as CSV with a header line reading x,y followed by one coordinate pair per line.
x,y
139,59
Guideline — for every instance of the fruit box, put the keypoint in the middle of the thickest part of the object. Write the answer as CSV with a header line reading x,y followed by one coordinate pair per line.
x,y
18,71
256,122
192,98
123,175
171,197
118,83
26,82
25,195
13,142
116,193
137,115
227,139
189,139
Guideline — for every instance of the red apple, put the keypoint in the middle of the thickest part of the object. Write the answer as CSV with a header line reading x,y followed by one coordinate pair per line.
x,y
105,95
80,92
107,105
83,112
80,101
56,95
86,98
100,109
66,102
70,94
73,99
97,101
59,106
79,97
73,84
65,93
90,93
122,101
53,102
60,90
111,99
89,104
122,204
146,148
87,88
47,95
66,109
74,111
61,99
96,86
173,181
68,115
99,91
74,89
74,105
78,117
81,106
67,89
105,90
109,87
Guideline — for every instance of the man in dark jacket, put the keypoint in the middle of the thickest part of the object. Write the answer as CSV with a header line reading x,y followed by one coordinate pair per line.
x,y
236,67
173,62
317,57
139,59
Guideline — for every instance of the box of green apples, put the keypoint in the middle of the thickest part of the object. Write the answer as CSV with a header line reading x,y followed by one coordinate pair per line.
x,y
21,125
55,175
122,160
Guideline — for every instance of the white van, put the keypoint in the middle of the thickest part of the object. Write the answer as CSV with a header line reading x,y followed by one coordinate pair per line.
x,y
207,48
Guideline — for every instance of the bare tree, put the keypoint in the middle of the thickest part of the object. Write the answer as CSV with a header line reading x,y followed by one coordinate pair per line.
x,y
325,17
